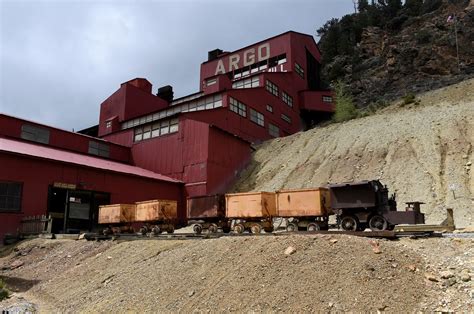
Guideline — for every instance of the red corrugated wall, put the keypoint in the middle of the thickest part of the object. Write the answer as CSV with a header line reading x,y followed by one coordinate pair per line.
x,y
38,174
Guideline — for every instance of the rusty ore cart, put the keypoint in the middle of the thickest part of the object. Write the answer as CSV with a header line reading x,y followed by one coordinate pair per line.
x,y
251,211
117,217
207,213
157,216
305,209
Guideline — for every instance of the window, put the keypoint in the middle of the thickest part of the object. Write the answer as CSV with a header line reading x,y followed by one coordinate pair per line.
x,y
273,130
238,107
108,124
99,149
272,88
327,99
247,83
210,82
287,99
257,117
35,134
269,108
299,70
10,196
285,118
156,129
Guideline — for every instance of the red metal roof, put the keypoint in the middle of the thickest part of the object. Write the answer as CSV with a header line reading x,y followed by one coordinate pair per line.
x,y
28,149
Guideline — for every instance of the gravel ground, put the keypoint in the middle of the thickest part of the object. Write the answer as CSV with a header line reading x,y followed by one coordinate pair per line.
x,y
273,273
422,152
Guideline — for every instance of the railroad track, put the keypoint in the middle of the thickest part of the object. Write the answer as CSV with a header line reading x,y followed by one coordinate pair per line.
x,y
192,236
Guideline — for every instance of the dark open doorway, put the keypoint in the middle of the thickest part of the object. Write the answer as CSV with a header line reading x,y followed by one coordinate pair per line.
x,y
74,211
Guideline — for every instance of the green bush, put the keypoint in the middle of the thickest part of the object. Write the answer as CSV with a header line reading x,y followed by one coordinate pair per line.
x,y
409,99
3,291
345,109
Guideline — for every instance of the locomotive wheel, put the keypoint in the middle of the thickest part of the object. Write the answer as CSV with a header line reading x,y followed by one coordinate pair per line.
x,y
362,227
378,223
291,227
349,223
213,228
170,229
197,229
256,228
313,227
239,228
156,230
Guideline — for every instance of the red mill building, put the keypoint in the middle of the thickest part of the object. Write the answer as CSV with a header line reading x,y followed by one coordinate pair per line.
x,y
153,146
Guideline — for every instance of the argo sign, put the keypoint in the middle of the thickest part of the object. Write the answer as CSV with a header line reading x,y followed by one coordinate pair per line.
x,y
246,58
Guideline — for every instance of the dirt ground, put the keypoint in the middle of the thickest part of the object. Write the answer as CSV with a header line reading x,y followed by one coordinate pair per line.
x,y
235,274
422,152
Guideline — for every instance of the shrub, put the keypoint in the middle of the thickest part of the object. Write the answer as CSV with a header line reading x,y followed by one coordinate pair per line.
x,y
345,109
3,291
409,99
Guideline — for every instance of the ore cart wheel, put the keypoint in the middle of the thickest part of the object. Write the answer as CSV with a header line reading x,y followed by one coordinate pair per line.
x,y
313,227
349,223
213,228
226,229
197,229
256,228
144,230
268,230
239,228
378,223
170,229
156,230
291,227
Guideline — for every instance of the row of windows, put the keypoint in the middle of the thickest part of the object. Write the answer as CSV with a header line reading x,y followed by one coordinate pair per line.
x,y
206,103
257,117
156,129
287,99
35,134
299,70
247,83
260,66
10,196
186,99
238,107
41,135
272,88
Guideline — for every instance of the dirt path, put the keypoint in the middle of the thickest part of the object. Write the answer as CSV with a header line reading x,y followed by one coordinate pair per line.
x,y
324,273
422,152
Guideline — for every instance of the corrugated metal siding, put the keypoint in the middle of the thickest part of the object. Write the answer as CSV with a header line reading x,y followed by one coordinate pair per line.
x,y
37,175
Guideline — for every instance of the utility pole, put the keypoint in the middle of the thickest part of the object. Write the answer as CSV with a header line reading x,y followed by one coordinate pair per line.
x,y
355,5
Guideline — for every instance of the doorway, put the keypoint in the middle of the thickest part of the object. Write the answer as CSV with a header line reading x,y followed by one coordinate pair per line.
x,y
75,211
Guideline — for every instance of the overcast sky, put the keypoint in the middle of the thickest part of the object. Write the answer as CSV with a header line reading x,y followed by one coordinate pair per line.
x,y
60,59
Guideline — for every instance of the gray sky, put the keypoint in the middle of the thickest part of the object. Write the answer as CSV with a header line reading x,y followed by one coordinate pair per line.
x,y
61,59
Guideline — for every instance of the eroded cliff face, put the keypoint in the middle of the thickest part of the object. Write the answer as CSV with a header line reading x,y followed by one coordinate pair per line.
x,y
420,57
422,151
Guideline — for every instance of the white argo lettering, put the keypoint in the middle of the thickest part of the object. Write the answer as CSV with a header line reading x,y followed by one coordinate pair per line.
x,y
261,56
234,62
220,68
249,57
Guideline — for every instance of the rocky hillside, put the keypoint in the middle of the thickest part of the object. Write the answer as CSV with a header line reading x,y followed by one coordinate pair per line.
x,y
422,151
417,54
313,273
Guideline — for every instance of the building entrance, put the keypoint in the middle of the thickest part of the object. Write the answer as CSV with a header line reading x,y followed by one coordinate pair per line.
x,y
74,211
